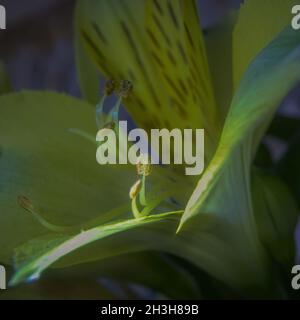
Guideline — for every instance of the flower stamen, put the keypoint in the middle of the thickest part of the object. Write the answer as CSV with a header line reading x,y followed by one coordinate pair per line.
x,y
135,189
27,205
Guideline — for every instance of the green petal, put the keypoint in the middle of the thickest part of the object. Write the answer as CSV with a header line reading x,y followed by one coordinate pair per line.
x,y
224,189
258,23
54,168
269,78
48,251
212,253
215,253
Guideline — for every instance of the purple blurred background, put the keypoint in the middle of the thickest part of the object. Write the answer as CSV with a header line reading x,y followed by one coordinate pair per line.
x,y
37,46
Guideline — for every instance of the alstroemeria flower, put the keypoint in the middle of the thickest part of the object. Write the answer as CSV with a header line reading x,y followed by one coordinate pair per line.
x,y
229,82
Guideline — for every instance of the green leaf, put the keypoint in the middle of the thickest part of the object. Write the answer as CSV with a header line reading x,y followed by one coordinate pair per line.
x,y
56,169
258,23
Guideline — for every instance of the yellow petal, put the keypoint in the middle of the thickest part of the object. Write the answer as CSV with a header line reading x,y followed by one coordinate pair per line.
x,y
158,46
114,35
177,45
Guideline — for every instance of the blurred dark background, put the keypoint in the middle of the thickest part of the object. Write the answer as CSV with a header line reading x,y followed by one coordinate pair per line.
x,y
37,47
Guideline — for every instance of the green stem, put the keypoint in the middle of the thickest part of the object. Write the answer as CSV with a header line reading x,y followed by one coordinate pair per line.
x,y
142,193
83,134
53,227
114,113
100,112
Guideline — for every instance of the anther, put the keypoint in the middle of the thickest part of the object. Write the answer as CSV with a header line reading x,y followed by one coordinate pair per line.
x,y
110,125
25,203
110,87
125,88
143,166
135,189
